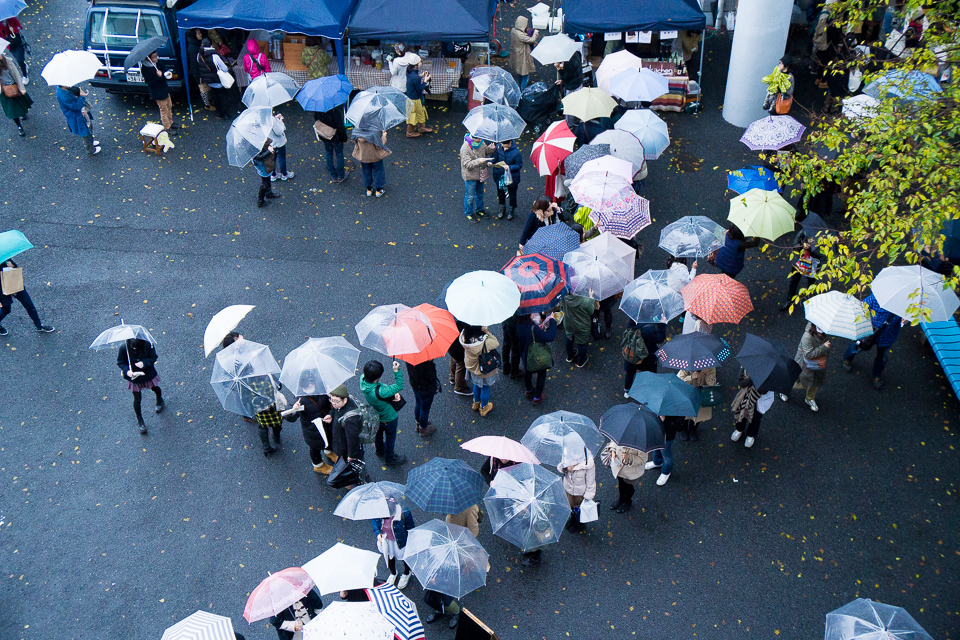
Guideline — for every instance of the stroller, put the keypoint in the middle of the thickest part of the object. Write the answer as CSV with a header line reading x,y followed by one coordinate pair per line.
x,y
538,105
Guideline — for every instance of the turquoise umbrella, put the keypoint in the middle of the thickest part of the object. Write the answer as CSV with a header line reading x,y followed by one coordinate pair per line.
x,y
12,243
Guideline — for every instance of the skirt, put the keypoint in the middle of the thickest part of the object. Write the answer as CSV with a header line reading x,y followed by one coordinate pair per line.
x,y
137,387
477,381
15,107
416,112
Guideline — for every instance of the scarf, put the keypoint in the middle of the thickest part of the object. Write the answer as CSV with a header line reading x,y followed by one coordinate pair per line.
x,y
745,403
475,143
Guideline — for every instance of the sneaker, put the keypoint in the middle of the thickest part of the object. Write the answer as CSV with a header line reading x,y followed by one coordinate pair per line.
x,y
813,405
473,219
174,126
369,192
45,328
143,428
748,442
96,142
626,394
537,401
96,150
391,578
570,358
273,177
662,480
847,366
736,435
160,405
3,331
784,397
26,80
379,193
878,383
339,180
395,461
287,176
581,365
463,392
651,465
404,581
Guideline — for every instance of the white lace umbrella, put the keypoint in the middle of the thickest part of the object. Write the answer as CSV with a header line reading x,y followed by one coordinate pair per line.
x,y
772,133
349,621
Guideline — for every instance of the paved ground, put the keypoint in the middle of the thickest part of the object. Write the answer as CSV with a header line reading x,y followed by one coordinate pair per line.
x,y
110,534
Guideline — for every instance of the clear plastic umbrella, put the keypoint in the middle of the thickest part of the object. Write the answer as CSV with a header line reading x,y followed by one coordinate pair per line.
x,y
319,365
249,132
349,621
638,85
603,265
386,106
914,293
650,130
861,107
623,145
494,122
528,506
650,298
557,48
270,90
691,237
496,85
277,592
562,435
242,377
482,298
446,558
395,329
864,619
119,335
370,501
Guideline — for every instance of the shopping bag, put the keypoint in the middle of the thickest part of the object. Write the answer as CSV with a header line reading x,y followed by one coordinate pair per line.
x,y
11,280
588,511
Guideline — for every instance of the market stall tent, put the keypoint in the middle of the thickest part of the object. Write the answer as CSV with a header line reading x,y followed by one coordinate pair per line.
x,y
610,16
423,20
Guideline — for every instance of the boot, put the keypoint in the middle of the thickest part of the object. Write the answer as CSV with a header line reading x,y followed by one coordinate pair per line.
x,y
261,194
487,409
503,212
476,406
142,426
265,439
331,457
271,194
412,131
160,404
323,469
425,129
615,506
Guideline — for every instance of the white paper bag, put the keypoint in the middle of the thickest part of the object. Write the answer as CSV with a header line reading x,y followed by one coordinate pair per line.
x,y
588,511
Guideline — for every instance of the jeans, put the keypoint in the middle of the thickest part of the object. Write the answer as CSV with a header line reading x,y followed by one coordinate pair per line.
x,y
664,457
19,54
281,167
472,197
580,350
481,395
386,440
88,143
511,192
421,409
541,380
265,188
6,305
629,373
334,159
373,174
523,81
879,361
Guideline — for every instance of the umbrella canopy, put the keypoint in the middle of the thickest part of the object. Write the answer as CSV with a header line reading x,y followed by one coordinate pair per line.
x,y
242,377
839,314
563,436
482,298
609,164
119,334
342,567
68,68
277,592
323,94
225,321
861,107
527,505
399,611
552,49
349,621
772,133
143,49
665,394
395,329
500,447
552,147
445,332
11,8
319,365
692,237
648,128
270,90
379,107
600,189
496,85
752,177
201,625
542,281
445,486
768,364
623,218
249,132
634,426
907,86
864,619
370,501
813,225
694,352
762,213
553,241
638,85
573,163
650,298
13,243
717,298
446,558
494,122
623,145
614,64
914,293
603,265
588,103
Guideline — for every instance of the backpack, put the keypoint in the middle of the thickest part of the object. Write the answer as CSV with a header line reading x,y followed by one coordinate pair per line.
x,y
369,419
632,347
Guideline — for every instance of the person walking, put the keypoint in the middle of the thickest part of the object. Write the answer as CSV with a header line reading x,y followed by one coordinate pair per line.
x,y
805,266
522,41
425,385
730,257
811,355
290,622
280,169
156,78
780,85
536,329
458,368
335,127
311,408
633,351
14,98
886,330
577,321
507,180
391,540
370,149
382,398
6,304
136,360
748,407
315,58
475,341
264,163
678,269
12,31
441,604
579,483
627,465
268,414
473,169
345,424
208,63
663,458
72,105
417,86
698,379
255,63
542,213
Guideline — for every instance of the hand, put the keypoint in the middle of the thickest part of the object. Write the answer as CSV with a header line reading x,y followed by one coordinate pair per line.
x,y
590,293
298,626
694,264
396,397
827,344
327,419
396,366
485,329
383,137
296,406
138,365
168,75
278,117
271,149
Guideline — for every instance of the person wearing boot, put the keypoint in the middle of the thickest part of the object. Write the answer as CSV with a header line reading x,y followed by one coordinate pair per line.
x,y
507,164
627,465
268,412
310,409
417,86
136,359
265,162
699,379
425,385
580,483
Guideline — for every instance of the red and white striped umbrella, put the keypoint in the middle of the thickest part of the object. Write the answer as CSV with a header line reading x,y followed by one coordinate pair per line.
x,y
552,147
277,592
717,298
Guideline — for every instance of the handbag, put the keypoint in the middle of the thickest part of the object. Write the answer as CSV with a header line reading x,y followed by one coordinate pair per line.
x,y
539,356
488,361
782,105
11,281
11,91
711,396
352,472
806,264
588,511
323,131
815,364
225,78
396,404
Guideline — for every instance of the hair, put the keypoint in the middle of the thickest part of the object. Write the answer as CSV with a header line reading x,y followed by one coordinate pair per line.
x,y
576,226
372,371
3,63
671,260
541,204
136,345
787,62
229,339
735,233
472,333
312,41
206,42
814,329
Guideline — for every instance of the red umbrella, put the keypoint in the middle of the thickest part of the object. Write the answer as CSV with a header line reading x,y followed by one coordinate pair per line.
x,y
542,281
552,147
445,330
717,298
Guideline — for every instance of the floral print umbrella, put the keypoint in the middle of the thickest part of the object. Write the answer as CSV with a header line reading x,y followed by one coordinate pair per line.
x,y
772,133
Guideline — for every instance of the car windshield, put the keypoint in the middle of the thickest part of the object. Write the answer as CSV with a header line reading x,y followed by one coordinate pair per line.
x,y
114,28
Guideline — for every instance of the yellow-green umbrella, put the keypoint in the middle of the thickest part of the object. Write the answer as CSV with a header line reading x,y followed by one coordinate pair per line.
x,y
588,103
762,213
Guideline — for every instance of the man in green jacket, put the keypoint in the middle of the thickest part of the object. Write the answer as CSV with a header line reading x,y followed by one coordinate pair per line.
x,y
577,317
379,396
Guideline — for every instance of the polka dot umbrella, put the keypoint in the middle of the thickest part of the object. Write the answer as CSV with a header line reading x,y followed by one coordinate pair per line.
x,y
717,298
542,281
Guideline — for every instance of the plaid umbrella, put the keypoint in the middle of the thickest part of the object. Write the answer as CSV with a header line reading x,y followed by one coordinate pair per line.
x,y
772,132
623,216
399,611
586,153
717,298
550,149
542,281
201,625
665,394
553,241
752,177
277,592
445,486
694,352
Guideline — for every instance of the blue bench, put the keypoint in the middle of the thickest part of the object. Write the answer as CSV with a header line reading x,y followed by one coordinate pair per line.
x,y
944,337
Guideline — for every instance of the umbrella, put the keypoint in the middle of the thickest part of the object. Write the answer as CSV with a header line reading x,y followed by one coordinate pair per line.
x,y
573,162
648,128
864,619
349,621
813,225
527,505
496,85
694,352
861,107
553,241
600,189
614,64
552,49
752,177
482,298
692,237
143,49
552,147
634,426
370,501
562,436
762,213
319,365
500,447
201,625
119,335
914,293
323,94
903,85
394,329
494,122
446,558
839,314
242,377
13,243
445,486
950,231
542,281
772,132
609,164
249,132
588,103
11,8
342,567
270,90
445,332
768,364
623,218
650,298
665,394
603,265
225,321
68,68
638,85
399,611
379,107
717,298
623,145
277,592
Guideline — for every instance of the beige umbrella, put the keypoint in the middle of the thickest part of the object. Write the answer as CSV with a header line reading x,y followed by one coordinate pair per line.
x,y
589,103
223,323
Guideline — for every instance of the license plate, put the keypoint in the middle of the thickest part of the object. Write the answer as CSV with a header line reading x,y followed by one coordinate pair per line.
x,y
134,76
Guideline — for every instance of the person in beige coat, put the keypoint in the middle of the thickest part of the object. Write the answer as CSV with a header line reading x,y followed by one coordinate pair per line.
x,y
811,355
627,465
580,483
471,517
521,44
370,150
474,159
704,378
476,340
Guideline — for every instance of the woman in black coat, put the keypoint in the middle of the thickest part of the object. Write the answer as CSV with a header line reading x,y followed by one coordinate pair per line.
x,y
136,360
334,118
311,409
291,620
425,385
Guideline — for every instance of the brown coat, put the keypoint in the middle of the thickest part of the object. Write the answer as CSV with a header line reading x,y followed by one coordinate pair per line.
x,y
366,152
472,160
471,354
626,463
469,518
520,47
705,378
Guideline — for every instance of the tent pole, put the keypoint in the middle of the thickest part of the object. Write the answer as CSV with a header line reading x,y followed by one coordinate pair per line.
x,y
186,73
703,45
338,44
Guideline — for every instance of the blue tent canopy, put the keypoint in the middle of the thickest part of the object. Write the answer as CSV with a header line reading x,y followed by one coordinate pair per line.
x,y
423,20
610,16
309,17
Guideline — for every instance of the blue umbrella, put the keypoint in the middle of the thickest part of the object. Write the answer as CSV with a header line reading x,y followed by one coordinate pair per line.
x,y
752,177
443,485
553,241
323,94
13,242
665,394
905,85
10,8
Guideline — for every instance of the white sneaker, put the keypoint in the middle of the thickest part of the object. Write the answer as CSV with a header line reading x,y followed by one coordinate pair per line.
x,y
813,405
391,578
651,465
736,435
287,176
662,480
273,177
404,581
626,395
26,80
748,442
96,151
784,397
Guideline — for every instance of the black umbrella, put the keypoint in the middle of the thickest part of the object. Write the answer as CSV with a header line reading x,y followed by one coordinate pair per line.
x,y
631,425
143,49
768,364
694,352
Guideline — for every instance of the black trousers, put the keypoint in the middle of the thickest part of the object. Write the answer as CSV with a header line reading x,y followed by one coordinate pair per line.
x,y
541,380
511,191
753,427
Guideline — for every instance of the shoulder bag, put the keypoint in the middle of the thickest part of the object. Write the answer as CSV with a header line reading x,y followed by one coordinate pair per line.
x,y
396,404
488,361
782,105
539,356
323,131
11,91
11,281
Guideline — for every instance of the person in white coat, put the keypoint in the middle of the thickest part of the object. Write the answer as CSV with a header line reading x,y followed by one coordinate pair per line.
x,y
580,483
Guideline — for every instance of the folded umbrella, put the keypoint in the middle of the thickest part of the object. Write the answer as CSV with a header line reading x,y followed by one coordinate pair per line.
x,y
482,298
772,133
201,625
319,365
752,177
370,501
142,50
500,447
249,132
839,314
649,129
69,68
915,293
692,237
527,505
563,436
588,103
603,265
496,85
13,243
634,426
446,558
553,240
762,213
864,619
270,90
277,592
665,394
399,611
614,64
556,48
694,352
349,621
395,329
494,122
768,364
342,567
650,298
323,94
638,85
717,298
552,147
575,161
542,281
380,107
445,486
222,323
445,332
623,145
242,378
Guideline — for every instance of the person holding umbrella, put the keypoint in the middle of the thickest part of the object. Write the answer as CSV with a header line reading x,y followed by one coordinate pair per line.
x,y
136,359
886,327
730,257
425,385
804,267
473,170
580,483
663,458
17,104
811,355
391,535
699,379
507,154
72,103
289,623
384,398
578,320
627,465
417,86
265,162
748,407
333,120
477,341
156,78
345,424
370,150
541,329
12,31
311,408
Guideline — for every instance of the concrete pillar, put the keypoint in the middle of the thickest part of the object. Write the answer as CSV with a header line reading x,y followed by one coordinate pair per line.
x,y
759,41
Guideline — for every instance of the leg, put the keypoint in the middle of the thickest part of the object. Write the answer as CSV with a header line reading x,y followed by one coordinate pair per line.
x,y
541,381
205,91
281,168
460,377
160,403
390,440
812,392
137,397
452,366
6,303
378,440
276,434
469,195
476,397
366,170
571,348
629,373
88,143
528,383
328,151
667,458
27,303
268,449
512,191
264,189
502,199
417,405
479,198
426,402
754,427
379,175
879,362
19,54
166,112
484,396
849,354
582,354
338,158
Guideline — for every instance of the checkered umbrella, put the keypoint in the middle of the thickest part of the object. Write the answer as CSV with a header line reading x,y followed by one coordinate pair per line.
x,y
586,153
542,281
717,298
201,625
550,149
694,352
553,241
399,611
445,486
772,132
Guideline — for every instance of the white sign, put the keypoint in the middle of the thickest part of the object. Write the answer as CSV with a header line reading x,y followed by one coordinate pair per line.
x,y
646,37
633,37
607,37
668,35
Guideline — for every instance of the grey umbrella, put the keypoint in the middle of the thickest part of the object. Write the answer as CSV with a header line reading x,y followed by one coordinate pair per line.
x,y
143,49
586,153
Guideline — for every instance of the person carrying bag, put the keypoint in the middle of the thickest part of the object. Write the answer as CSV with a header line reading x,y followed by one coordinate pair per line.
x,y
780,84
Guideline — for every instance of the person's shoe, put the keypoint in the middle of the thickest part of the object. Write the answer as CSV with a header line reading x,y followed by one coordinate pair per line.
x,y
26,80
683,435
404,581
616,505
570,358
625,506
528,394
463,392
391,578
261,203
45,328
662,480
209,107
581,365
503,212
481,212
848,366
748,442
331,456
608,333
813,405
270,195
22,133
474,219
273,177
3,331
784,397
454,620
878,383
369,192
339,180
626,394
268,450
174,126
694,436
735,435
96,150
379,193
160,405
530,561
323,469
142,426
433,617
427,431
510,213
650,464
412,131
476,406
287,176
395,461
537,400
784,305
425,129
487,409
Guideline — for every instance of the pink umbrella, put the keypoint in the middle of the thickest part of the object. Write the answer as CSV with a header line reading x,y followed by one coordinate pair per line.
x,y
277,592
500,447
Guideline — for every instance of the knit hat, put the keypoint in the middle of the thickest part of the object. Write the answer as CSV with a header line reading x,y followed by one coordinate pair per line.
x,y
340,392
475,143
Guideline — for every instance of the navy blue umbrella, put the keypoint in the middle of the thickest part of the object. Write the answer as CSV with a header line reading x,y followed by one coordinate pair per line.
x,y
553,241
631,425
694,352
768,364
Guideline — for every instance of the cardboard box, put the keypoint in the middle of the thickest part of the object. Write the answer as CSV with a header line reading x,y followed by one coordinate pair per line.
x,y
291,56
